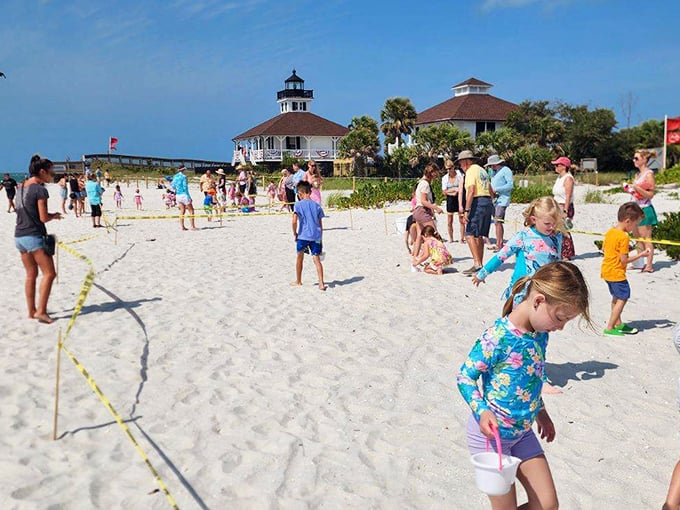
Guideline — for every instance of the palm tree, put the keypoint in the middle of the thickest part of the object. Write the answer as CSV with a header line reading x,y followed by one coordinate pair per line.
x,y
398,117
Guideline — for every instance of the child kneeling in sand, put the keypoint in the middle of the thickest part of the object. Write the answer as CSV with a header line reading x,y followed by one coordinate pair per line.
x,y
509,358
307,215
616,258
432,248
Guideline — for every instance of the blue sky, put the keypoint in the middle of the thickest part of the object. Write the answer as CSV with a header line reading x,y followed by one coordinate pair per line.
x,y
180,78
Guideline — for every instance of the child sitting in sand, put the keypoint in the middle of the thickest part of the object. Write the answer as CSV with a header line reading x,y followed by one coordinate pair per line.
x,y
509,358
434,249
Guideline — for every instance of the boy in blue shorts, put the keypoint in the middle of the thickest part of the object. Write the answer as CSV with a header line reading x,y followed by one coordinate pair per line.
x,y
615,248
308,231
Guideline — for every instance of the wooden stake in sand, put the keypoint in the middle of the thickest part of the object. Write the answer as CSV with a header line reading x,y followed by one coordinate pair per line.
x,y
56,389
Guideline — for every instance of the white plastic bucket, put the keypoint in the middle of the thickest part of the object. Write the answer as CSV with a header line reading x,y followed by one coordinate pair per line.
x,y
490,479
639,263
400,225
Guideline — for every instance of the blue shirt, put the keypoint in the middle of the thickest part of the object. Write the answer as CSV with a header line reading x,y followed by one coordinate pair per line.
x,y
94,192
501,182
532,249
309,215
180,184
511,364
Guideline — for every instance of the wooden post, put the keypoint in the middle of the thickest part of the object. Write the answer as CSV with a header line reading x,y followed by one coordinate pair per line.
x,y
354,184
146,180
56,388
597,178
385,179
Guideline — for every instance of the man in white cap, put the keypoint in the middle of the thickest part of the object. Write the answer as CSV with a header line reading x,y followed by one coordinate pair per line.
x,y
479,208
501,182
181,187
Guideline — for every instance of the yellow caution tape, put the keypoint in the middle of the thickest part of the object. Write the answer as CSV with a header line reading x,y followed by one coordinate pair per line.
x,y
82,296
641,239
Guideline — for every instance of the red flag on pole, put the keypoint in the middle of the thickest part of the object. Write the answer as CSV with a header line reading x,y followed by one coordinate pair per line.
x,y
112,143
673,131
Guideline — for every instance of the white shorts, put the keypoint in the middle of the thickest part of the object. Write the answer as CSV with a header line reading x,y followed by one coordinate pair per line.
x,y
183,199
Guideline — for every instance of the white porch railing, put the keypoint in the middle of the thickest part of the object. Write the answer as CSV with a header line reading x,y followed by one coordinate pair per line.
x,y
263,155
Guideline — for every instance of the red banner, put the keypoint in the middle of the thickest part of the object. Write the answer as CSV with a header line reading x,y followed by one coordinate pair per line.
x,y
673,131
112,143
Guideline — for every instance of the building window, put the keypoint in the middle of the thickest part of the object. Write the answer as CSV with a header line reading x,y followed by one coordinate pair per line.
x,y
270,143
303,107
295,106
485,126
292,142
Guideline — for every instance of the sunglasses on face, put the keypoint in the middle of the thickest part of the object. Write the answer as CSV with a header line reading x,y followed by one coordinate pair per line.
x,y
636,158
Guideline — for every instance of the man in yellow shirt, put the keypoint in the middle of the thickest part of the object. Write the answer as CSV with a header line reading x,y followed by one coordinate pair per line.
x,y
479,208
616,258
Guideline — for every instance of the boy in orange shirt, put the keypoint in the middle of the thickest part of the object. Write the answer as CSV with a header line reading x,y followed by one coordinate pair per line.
x,y
615,248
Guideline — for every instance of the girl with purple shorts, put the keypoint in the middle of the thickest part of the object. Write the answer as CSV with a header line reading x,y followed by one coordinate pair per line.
x,y
509,358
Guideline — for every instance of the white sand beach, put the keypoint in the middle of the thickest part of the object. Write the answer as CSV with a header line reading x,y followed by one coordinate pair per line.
x,y
248,393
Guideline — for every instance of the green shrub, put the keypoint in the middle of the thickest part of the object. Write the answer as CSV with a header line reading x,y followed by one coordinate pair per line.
x,y
532,192
669,176
595,197
378,193
336,200
669,229
612,191
673,195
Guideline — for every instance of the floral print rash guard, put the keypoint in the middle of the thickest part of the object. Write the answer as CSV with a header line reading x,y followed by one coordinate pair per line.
x,y
533,250
510,364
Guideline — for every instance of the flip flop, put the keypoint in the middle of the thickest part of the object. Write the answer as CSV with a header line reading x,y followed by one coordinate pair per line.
x,y
651,270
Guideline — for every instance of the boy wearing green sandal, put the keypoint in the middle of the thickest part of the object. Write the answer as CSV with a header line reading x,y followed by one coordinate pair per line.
x,y
616,258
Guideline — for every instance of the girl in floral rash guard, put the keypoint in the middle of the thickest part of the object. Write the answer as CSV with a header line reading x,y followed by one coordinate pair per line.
x,y
509,358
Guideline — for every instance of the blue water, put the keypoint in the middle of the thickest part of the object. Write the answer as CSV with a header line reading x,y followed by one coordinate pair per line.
x,y
17,176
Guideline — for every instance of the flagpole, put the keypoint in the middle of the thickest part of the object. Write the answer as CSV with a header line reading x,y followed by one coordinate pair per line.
x,y
108,151
665,135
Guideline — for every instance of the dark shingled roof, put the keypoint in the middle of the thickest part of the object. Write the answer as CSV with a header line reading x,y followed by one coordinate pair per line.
x,y
468,107
295,124
473,81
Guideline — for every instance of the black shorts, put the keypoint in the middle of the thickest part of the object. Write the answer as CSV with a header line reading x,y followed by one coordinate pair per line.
x,y
96,210
409,222
479,217
451,204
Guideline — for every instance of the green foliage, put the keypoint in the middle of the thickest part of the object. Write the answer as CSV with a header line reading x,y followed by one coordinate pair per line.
x,y
532,158
361,143
378,194
613,191
532,192
441,139
669,229
287,161
586,131
595,197
336,200
668,176
398,117
674,195
535,121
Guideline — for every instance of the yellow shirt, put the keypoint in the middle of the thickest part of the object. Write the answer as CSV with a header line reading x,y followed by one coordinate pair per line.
x,y
477,176
615,244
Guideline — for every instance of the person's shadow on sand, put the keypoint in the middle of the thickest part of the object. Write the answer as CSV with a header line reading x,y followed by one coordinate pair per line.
x,y
560,374
347,281
645,324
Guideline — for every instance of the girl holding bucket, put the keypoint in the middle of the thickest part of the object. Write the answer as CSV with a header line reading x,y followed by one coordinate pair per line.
x,y
509,357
